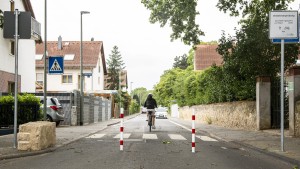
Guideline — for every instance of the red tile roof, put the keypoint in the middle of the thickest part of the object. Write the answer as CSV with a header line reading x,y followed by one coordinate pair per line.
x,y
90,53
206,56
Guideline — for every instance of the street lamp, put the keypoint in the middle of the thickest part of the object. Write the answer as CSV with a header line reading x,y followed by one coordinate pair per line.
x,y
81,71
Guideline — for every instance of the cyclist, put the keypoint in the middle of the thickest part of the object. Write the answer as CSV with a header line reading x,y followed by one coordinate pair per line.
x,y
150,103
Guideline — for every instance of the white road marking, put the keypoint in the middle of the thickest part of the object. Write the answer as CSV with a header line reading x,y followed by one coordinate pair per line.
x,y
176,137
180,125
224,148
96,136
124,135
149,136
206,138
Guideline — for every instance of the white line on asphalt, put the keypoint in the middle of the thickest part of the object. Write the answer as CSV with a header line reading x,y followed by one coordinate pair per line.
x,y
149,136
176,137
124,135
206,138
224,148
96,136
180,125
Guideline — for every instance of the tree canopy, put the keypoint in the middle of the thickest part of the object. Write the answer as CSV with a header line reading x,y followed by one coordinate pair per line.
x,y
115,66
180,16
181,62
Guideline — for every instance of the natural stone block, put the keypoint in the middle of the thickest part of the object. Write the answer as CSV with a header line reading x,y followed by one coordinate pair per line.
x,y
42,134
23,145
23,136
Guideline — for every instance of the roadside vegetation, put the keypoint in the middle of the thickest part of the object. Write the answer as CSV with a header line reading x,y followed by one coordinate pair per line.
x,y
28,109
246,55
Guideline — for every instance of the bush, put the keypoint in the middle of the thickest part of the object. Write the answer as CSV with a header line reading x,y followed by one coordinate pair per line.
x,y
134,107
28,109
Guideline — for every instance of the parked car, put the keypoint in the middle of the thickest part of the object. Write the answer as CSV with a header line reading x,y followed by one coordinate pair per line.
x,y
55,111
161,112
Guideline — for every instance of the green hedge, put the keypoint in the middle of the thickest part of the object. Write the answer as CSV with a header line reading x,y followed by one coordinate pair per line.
x,y
213,85
28,109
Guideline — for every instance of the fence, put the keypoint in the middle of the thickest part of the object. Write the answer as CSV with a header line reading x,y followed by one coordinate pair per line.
x,y
95,109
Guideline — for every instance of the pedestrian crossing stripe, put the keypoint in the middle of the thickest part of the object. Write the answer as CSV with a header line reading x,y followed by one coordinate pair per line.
x,y
176,137
149,136
124,135
154,137
205,138
55,66
96,136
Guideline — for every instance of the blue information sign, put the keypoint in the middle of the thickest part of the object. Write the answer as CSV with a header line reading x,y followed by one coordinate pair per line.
x,y
286,40
56,65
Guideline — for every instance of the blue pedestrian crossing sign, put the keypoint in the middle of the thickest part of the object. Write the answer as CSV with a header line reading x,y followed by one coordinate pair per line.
x,y
56,65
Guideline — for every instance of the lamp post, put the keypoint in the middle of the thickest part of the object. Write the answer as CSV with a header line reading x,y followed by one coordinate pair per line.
x,y
81,71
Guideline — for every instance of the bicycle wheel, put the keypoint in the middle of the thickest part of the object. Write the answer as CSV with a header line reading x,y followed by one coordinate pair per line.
x,y
150,122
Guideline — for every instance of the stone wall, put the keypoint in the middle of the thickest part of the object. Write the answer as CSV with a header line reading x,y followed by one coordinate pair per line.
x,y
240,114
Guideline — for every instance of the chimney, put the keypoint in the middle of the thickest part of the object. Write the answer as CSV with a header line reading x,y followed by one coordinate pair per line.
x,y
59,43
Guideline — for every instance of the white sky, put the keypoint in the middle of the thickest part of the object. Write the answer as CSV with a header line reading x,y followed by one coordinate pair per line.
x,y
145,48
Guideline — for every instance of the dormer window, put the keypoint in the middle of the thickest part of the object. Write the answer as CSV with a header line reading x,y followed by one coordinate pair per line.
x,y
38,57
69,57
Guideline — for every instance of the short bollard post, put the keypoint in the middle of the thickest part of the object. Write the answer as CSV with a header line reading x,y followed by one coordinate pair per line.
x,y
193,132
121,129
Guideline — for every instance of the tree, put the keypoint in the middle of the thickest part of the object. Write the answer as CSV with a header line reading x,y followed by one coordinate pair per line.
x,y
115,66
1,19
140,95
181,18
181,62
250,53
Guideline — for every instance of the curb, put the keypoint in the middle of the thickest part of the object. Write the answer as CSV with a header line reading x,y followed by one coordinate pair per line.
x,y
273,154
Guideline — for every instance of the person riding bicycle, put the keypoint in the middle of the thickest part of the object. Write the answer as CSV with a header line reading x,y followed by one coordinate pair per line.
x,y
150,103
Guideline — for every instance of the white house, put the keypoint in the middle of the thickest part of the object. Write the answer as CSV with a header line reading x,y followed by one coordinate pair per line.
x,y
93,64
26,54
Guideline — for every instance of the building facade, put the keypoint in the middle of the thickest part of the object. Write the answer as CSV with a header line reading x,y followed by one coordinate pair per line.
x,y
94,66
26,55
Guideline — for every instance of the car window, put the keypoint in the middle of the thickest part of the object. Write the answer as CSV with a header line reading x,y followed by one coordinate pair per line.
x,y
161,110
55,101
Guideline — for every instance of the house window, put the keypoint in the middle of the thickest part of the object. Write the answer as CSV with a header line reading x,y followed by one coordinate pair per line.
x,y
40,78
11,87
67,79
12,48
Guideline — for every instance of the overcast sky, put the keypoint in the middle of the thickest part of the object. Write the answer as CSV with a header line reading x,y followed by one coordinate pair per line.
x,y
145,48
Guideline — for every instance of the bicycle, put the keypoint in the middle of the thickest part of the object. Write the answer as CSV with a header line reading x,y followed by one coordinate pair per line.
x,y
150,117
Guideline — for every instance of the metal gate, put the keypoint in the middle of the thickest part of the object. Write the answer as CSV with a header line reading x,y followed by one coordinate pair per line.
x,y
275,104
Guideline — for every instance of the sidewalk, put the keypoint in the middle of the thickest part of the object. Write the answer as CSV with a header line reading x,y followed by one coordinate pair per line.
x,y
64,135
267,141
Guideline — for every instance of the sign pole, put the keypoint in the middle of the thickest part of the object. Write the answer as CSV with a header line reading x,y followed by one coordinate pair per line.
x,y
282,95
283,25
16,77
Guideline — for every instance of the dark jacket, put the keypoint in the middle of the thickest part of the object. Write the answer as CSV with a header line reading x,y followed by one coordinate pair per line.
x,y
150,103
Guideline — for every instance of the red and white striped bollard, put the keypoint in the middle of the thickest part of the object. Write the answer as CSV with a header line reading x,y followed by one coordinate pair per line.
x,y
193,131
121,129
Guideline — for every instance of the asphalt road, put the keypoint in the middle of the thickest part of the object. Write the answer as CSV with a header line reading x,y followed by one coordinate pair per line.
x,y
167,147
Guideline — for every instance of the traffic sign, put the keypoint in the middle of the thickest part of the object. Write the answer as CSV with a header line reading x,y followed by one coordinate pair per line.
x,y
87,74
56,65
283,25
286,40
